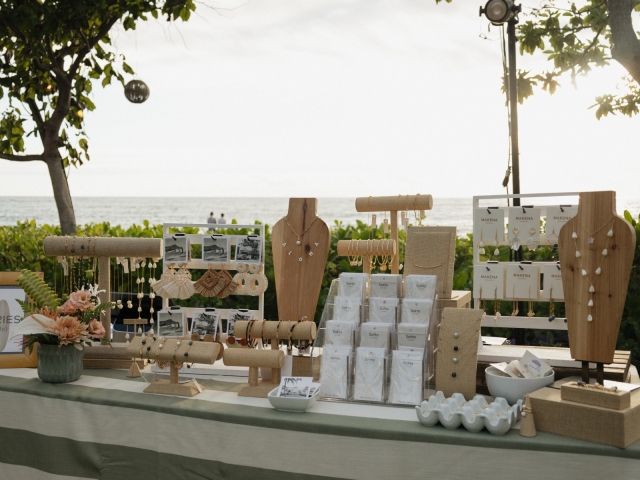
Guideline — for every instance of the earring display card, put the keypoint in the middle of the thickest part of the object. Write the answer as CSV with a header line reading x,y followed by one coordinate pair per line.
x,y
524,226
375,335
370,374
215,249
552,282
416,311
385,285
412,335
204,322
352,284
347,308
488,226
249,250
556,218
334,372
488,281
420,286
406,385
234,316
339,332
176,248
171,324
383,310
523,282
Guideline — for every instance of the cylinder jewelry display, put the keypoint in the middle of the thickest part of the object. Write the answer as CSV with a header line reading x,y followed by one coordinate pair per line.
x,y
254,359
367,249
272,330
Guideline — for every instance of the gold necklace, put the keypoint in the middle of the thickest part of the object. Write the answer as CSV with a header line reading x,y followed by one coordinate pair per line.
x,y
590,238
299,235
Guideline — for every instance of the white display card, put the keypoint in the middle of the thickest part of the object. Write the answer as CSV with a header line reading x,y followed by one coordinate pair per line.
x,y
234,316
10,315
488,226
249,249
420,286
527,222
488,281
215,249
556,218
334,372
375,335
352,284
204,322
416,311
347,308
406,385
552,282
339,332
171,324
176,248
295,387
383,310
523,282
385,285
370,375
412,335
532,366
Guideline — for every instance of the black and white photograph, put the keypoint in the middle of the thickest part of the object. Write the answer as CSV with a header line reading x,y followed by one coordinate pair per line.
x,y
204,323
215,249
176,249
249,250
297,387
234,316
171,324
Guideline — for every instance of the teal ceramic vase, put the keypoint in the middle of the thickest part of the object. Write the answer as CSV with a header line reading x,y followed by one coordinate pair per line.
x,y
59,364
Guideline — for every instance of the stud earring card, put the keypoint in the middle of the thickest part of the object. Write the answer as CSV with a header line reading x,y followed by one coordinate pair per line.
x,y
523,282
552,282
524,226
488,281
556,218
488,225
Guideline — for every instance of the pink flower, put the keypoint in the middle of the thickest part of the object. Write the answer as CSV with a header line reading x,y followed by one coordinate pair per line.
x,y
96,329
81,300
69,330
67,308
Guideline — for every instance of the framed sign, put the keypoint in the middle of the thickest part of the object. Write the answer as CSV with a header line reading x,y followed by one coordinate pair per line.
x,y
12,354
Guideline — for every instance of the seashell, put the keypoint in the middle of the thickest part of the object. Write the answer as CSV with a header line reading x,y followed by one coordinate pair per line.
x,y
574,235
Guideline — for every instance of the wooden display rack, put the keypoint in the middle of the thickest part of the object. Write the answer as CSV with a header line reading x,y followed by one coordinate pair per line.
x,y
367,249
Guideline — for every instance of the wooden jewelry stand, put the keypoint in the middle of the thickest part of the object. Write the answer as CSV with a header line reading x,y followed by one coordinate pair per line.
x,y
393,205
274,358
595,341
299,268
199,352
367,249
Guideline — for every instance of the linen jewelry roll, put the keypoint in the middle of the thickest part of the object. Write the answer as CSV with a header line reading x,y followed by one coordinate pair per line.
x,y
383,310
370,374
334,372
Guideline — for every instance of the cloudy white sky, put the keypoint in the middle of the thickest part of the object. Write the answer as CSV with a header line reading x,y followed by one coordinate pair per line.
x,y
336,98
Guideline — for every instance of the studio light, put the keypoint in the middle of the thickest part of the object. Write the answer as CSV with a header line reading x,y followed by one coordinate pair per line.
x,y
500,11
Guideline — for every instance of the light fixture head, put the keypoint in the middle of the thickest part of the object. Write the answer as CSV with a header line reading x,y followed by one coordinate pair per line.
x,y
500,11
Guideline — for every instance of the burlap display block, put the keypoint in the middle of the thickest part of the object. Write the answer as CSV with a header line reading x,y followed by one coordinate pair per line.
x,y
618,428
432,251
457,357
614,400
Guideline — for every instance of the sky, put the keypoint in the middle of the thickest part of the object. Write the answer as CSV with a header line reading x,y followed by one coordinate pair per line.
x,y
336,98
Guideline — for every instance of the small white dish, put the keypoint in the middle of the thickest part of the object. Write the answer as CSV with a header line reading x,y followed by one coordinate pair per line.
x,y
291,404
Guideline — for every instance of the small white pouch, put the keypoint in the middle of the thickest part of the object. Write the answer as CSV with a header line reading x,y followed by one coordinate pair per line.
x,y
406,385
339,332
385,285
334,372
383,310
420,286
347,308
369,379
375,335
412,335
416,311
352,285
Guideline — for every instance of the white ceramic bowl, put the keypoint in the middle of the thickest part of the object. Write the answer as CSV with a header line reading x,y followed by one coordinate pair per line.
x,y
514,389
291,404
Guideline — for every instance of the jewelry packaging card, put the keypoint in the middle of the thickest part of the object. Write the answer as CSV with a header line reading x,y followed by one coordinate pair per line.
x,y
556,218
524,227
347,308
176,248
339,332
383,310
420,286
416,311
171,324
204,322
375,335
352,284
488,281
249,249
523,282
406,385
215,249
552,282
234,316
370,374
334,372
412,335
488,226
385,285
296,387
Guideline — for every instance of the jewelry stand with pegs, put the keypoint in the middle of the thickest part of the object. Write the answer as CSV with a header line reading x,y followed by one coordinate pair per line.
x,y
175,352
367,249
274,358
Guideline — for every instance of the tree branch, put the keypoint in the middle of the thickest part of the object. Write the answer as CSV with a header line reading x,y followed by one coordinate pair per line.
x,y
104,30
626,46
35,113
21,158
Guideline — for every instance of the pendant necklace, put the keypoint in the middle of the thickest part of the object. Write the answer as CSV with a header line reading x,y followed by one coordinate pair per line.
x,y
299,235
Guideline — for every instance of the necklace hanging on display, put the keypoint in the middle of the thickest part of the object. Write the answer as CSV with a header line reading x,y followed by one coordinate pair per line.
x,y
136,91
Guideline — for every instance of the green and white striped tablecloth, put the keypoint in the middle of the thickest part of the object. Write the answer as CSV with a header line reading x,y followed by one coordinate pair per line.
x,y
102,426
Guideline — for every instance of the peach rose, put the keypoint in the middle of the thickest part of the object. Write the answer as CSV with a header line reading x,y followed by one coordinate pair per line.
x,y
96,329
67,308
81,300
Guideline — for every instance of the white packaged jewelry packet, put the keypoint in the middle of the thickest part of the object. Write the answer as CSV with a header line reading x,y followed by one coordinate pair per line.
x,y
370,375
339,332
524,227
488,226
556,218
552,276
383,310
416,311
334,372
347,308
523,282
406,385
488,281
352,285
385,285
375,335
420,286
412,335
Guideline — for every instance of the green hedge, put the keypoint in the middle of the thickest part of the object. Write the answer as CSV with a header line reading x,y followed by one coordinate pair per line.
x,y
21,247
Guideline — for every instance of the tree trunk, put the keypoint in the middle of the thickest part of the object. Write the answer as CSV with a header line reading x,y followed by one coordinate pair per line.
x,y
62,195
626,46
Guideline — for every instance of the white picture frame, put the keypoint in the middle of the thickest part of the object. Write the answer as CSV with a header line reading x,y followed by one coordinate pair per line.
x,y
249,249
204,322
171,324
215,249
176,248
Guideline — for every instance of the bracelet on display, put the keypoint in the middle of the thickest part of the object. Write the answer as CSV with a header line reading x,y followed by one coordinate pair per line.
x,y
597,386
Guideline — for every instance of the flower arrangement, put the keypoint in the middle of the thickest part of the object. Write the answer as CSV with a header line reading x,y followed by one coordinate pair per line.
x,y
75,322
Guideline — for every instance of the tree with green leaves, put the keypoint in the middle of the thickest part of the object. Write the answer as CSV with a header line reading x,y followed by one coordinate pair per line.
x,y
51,53
577,36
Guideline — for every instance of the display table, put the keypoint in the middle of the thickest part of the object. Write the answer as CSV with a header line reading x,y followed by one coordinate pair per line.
x,y
103,426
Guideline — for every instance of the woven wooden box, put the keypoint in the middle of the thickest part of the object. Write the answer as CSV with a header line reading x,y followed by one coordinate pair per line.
x,y
618,428
599,398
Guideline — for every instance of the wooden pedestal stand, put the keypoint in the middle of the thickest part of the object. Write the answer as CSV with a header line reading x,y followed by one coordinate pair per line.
x,y
171,352
367,249
595,341
299,268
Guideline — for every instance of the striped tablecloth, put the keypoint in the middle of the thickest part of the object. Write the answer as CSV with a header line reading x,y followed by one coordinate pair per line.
x,y
102,426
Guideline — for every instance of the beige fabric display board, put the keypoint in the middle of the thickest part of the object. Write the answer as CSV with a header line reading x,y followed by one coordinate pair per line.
x,y
432,251
457,358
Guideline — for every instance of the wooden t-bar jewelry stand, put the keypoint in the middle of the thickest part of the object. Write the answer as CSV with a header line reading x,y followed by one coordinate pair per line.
x,y
367,249
170,351
393,205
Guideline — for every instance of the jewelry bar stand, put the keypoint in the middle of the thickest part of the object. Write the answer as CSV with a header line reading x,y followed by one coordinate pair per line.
x,y
366,249
254,359
199,352
134,369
